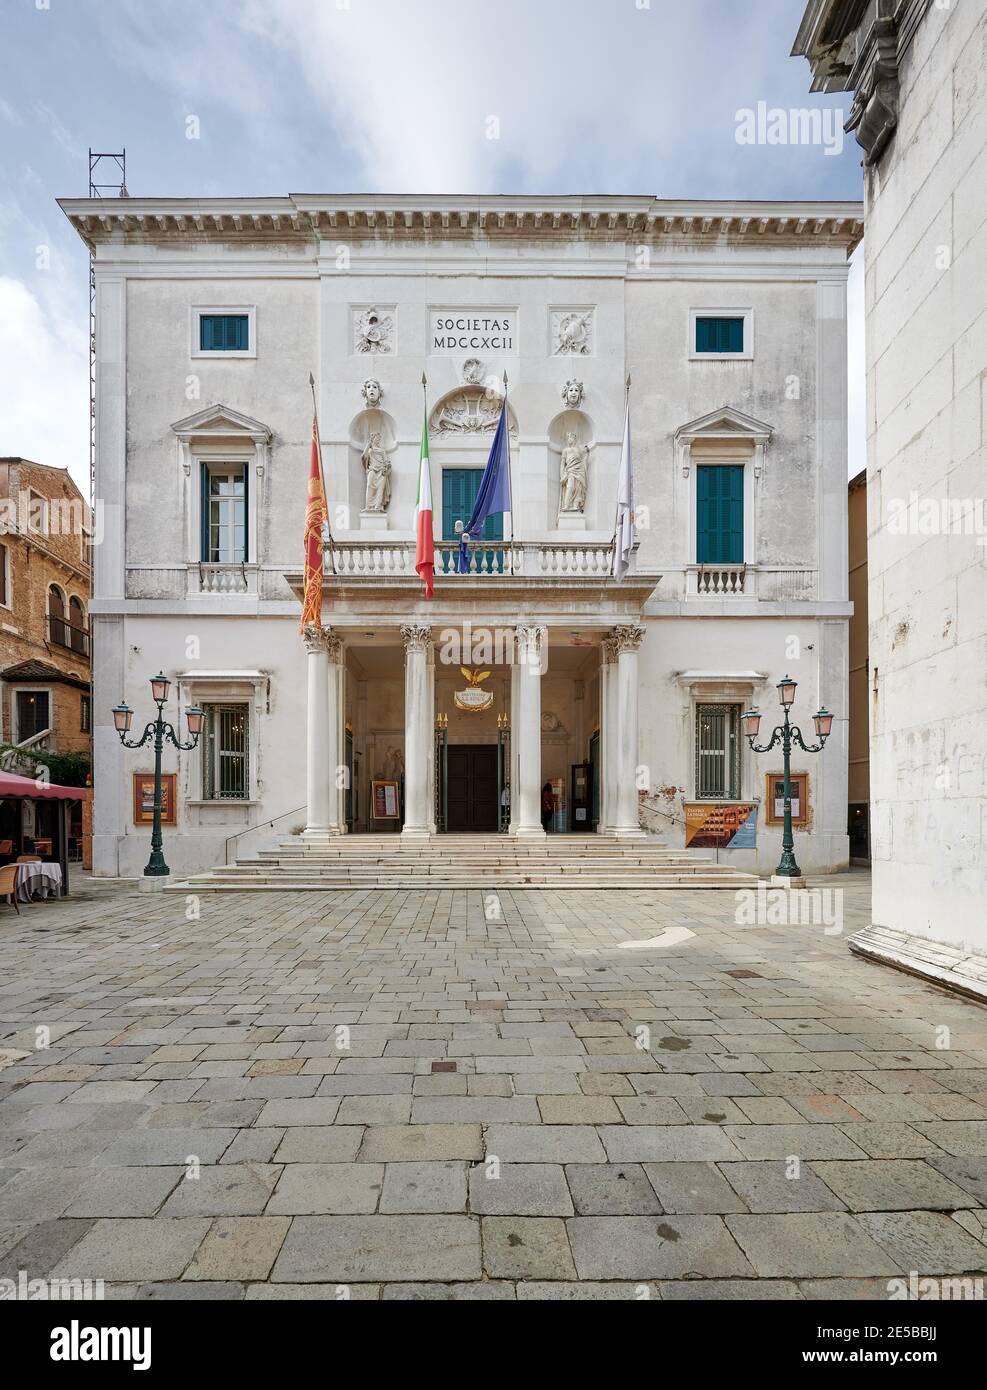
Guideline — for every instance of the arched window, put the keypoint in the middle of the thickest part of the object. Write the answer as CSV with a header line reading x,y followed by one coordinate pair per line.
x,y
78,636
56,616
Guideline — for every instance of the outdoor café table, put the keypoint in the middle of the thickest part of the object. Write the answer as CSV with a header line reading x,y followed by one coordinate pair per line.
x,y
38,880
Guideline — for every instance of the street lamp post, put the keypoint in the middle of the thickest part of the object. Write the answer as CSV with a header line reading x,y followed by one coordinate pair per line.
x,y
158,730
787,734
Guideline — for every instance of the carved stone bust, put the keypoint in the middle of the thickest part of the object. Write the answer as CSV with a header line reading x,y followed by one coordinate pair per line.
x,y
371,390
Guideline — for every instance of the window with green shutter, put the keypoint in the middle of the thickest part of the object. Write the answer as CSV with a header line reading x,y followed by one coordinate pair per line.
x,y
224,333
720,514
719,334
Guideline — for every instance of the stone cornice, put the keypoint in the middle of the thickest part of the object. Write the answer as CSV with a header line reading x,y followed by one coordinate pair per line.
x,y
307,219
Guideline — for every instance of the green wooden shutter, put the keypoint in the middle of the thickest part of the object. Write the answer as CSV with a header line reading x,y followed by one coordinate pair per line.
x,y
204,550
459,489
720,515
719,334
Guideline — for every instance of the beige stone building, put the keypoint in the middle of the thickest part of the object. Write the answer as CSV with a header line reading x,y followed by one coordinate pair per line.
x,y
45,538
919,111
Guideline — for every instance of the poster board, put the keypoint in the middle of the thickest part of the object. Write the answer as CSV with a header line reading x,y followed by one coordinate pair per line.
x,y
144,798
774,798
385,799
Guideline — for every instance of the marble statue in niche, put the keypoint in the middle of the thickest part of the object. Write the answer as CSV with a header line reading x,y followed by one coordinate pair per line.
x,y
377,467
572,474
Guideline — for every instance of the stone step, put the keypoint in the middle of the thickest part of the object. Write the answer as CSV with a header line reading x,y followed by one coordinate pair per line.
x,y
205,884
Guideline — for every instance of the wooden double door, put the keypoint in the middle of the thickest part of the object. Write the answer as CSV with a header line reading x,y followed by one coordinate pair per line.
x,y
471,787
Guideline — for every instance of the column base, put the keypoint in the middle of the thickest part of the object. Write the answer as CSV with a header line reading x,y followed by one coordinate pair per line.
x,y
321,834
529,832
628,832
415,833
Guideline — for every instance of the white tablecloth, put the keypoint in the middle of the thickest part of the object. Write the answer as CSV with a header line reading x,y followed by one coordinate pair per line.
x,y
38,880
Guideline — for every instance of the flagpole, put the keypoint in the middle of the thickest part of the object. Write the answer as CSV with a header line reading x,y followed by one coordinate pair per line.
x,y
510,478
616,519
425,427
322,472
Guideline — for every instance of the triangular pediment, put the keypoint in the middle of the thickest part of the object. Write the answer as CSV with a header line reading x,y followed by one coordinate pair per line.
x,y
725,423
221,420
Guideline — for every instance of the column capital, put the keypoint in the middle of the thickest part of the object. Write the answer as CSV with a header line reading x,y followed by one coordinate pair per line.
x,y
322,639
417,637
530,636
626,637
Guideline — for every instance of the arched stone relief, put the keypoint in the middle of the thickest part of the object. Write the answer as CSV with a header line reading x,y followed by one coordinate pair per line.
x,y
468,409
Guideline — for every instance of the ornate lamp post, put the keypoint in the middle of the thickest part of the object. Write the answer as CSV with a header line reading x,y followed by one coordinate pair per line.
x,y
788,734
158,730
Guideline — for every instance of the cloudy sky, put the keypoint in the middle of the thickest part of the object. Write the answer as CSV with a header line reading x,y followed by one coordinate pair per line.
x,y
292,96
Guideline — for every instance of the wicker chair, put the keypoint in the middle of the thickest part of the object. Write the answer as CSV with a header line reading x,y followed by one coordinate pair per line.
x,y
8,885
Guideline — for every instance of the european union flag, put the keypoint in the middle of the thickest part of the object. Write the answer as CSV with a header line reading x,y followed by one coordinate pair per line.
x,y
494,494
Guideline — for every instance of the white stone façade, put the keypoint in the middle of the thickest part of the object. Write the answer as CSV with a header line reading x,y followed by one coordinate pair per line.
x,y
568,297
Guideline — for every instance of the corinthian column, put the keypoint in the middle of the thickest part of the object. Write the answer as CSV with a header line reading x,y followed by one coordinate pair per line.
x,y
526,730
608,735
318,741
418,719
335,712
627,639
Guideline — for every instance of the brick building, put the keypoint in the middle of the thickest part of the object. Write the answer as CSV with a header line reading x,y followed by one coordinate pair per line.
x,y
45,566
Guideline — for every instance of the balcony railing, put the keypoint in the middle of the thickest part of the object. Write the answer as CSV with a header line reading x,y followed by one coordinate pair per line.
x,y
768,582
69,635
528,559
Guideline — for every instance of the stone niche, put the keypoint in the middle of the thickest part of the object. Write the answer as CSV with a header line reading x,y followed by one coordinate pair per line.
x,y
372,420
577,422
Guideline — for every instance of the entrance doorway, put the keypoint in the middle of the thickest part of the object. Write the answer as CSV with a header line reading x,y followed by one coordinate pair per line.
x,y
472,787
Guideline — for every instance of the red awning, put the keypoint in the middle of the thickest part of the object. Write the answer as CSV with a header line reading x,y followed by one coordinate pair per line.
x,y
11,785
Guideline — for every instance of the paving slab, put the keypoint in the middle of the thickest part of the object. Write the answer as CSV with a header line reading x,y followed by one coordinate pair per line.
x,y
519,1189
426,1187
804,1245
142,1250
239,1248
611,1189
526,1247
342,1249
900,1184
648,1247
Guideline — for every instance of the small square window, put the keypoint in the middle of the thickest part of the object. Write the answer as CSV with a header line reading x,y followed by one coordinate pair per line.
x,y
224,333
719,335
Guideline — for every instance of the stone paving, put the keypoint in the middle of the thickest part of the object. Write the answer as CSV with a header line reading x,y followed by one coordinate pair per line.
x,y
455,1094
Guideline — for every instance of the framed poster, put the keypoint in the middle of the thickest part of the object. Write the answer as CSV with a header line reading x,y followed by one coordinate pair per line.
x,y
774,798
144,798
385,803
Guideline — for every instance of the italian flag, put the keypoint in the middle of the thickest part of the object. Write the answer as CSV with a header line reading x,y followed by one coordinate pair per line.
x,y
424,541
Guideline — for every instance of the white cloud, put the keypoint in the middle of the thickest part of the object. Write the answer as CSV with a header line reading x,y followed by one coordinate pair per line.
x,y
44,387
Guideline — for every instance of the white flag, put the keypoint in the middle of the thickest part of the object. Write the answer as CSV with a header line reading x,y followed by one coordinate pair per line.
x,y
624,535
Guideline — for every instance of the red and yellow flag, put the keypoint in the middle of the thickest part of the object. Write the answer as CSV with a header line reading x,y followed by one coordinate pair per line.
x,y
316,513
